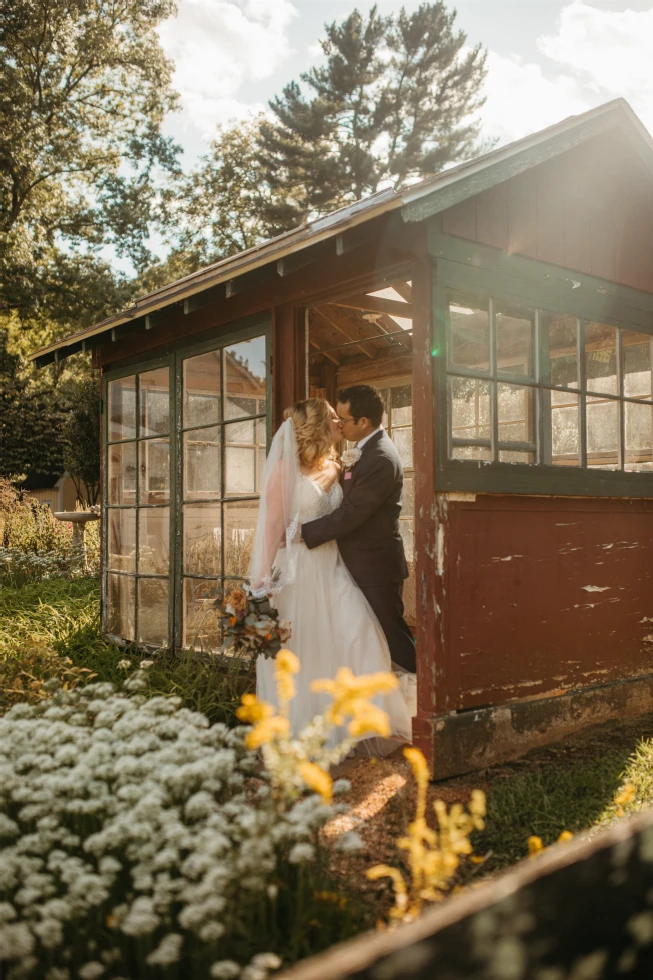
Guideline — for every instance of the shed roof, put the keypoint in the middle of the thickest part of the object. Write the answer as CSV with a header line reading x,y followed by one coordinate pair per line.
x,y
415,203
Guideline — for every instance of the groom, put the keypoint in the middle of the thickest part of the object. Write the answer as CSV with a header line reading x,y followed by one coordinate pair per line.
x,y
366,525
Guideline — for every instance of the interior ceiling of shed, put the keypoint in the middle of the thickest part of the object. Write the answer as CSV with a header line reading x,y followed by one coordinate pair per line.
x,y
362,327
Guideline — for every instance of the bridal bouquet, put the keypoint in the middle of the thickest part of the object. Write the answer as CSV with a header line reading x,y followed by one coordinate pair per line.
x,y
251,624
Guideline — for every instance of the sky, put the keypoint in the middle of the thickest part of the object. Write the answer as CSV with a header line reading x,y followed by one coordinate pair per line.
x,y
547,59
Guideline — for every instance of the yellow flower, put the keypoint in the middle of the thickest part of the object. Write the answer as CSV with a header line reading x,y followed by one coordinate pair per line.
x,y
252,710
367,720
348,691
286,664
535,846
265,731
317,779
565,836
626,795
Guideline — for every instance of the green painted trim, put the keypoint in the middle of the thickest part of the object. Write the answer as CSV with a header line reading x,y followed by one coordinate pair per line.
x,y
468,185
552,287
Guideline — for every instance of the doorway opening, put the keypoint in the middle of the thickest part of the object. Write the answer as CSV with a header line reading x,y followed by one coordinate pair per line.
x,y
367,338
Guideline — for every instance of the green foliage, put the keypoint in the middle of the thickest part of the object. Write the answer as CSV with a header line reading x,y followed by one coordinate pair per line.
x,y
81,433
30,420
221,207
85,90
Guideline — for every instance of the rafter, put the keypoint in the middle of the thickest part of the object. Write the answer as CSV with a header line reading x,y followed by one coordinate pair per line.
x,y
378,304
404,289
345,328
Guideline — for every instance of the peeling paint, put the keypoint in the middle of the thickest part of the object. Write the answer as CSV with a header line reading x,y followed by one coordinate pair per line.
x,y
508,558
440,550
595,588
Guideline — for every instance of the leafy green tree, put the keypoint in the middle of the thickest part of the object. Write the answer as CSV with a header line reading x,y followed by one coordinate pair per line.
x,y
220,208
81,435
84,90
397,99
31,418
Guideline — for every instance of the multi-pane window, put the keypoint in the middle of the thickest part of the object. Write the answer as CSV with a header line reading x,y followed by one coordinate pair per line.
x,y
223,455
138,507
529,386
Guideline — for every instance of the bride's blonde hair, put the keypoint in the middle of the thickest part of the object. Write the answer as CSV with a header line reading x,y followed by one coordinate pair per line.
x,y
312,430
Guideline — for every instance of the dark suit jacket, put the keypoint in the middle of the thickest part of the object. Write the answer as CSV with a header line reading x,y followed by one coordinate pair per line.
x,y
366,525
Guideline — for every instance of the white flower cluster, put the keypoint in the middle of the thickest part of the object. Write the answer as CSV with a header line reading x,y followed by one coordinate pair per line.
x,y
130,844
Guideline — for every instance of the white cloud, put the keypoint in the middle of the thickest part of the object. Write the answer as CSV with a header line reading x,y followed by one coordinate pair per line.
x,y
521,99
609,52
218,46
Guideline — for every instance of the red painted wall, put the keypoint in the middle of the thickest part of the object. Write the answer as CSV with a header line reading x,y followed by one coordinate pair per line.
x,y
543,594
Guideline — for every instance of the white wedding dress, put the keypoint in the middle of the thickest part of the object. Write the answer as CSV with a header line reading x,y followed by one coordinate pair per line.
x,y
332,625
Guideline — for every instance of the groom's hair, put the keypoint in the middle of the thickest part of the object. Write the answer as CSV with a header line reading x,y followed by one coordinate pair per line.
x,y
364,401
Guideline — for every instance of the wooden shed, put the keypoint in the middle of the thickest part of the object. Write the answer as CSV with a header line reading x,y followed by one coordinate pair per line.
x,y
505,308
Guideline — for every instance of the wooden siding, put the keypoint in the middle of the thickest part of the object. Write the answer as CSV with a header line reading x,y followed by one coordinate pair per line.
x,y
542,595
589,210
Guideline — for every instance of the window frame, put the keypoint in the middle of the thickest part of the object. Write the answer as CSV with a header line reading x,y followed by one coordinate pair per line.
x,y
488,272
173,358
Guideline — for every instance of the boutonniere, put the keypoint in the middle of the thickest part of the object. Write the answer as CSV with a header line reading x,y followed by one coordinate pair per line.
x,y
350,457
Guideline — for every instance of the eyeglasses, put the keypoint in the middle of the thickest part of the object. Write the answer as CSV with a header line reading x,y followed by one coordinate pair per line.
x,y
354,418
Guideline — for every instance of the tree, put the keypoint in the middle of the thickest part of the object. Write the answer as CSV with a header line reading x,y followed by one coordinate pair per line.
x,y
81,434
220,208
30,421
84,91
396,100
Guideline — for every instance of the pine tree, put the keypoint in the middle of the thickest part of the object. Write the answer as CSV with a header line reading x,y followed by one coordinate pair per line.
x,y
396,100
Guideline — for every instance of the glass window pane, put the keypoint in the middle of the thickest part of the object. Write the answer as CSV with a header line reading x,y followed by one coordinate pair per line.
x,y
639,436
602,434
239,526
403,440
153,611
563,350
121,532
471,452
154,540
402,405
122,409
154,471
470,408
202,537
202,627
406,531
240,458
245,374
154,401
515,413
120,606
408,498
202,385
202,454
469,331
515,326
515,456
601,358
121,463
637,363
565,430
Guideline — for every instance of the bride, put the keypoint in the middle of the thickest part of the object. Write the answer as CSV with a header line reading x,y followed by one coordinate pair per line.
x,y
332,623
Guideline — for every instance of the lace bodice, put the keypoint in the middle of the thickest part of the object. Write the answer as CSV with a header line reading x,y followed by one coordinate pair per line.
x,y
315,502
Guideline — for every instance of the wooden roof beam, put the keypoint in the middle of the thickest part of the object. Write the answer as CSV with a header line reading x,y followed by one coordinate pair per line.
x,y
404,289
376,304
345,328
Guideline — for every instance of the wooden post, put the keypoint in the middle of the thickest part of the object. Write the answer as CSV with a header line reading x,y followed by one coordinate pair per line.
x,y
429,604
288,359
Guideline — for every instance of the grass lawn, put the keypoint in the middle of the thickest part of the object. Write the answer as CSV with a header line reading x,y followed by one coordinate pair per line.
x,y
63,615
